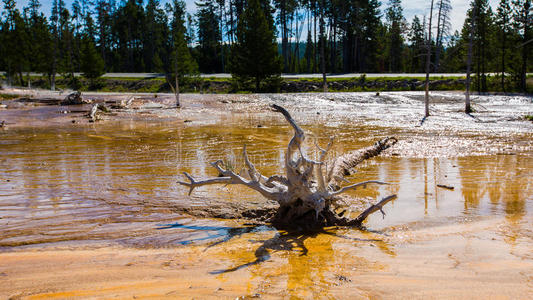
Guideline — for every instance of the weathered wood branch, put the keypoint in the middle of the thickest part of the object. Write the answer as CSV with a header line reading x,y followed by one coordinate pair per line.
x,y
343,165
252,171
193,183
355,186
372,209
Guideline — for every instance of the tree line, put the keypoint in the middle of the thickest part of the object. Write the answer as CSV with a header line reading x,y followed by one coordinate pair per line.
x,y
256,40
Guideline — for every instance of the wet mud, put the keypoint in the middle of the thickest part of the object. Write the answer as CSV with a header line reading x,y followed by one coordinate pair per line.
x,y
90,210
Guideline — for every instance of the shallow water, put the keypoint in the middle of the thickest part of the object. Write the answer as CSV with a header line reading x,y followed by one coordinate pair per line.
x,y
112,182
115,183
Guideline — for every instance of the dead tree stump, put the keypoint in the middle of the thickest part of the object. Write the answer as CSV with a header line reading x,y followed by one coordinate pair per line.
x,y
309,193
75,99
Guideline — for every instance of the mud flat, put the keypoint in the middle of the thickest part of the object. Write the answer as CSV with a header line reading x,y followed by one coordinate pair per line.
x,y
93,210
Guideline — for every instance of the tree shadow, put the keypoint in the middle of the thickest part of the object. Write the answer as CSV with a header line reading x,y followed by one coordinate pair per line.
x,y
283,240
422,121
214,232
293,241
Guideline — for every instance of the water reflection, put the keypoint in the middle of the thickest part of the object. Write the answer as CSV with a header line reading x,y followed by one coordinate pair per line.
x,y
505,181
86,183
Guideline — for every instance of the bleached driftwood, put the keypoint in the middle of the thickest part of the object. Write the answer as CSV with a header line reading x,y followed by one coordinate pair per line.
x,y
123,103
93,113
309,194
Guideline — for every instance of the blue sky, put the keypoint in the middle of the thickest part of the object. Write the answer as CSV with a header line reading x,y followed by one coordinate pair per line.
x,y
411,8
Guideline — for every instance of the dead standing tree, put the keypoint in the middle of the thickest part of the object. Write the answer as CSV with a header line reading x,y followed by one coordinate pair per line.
x,y
309,194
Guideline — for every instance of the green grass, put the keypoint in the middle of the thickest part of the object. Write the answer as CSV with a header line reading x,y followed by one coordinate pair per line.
x,y
529,117
8,96
224,85
135,78
366,79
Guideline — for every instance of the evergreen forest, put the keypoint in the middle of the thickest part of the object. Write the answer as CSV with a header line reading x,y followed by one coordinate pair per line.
x,y
257,40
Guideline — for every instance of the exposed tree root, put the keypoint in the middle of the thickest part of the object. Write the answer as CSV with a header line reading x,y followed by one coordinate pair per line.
x,y
309,194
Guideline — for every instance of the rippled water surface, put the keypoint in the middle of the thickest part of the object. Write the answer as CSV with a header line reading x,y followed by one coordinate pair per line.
x,y
116,182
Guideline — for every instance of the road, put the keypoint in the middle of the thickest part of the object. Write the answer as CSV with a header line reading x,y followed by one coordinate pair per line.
x,y
288,76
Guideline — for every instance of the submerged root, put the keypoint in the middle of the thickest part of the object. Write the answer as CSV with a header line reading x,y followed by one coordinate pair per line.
x,y
308,195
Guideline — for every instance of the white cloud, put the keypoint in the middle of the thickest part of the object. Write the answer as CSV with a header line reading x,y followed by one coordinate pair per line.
x,y
457,15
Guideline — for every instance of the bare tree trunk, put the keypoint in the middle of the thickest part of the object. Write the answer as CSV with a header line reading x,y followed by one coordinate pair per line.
x,y
437,40
9,77
53,82
523,72
296,56
332,56
503,59
309,195
442,26
468,109
428,62
54,62
175,88
176,78
483,59
21,78
177,91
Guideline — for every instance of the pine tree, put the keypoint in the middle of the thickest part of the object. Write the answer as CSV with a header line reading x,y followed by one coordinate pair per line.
x,y
92,65
372,26
15,42
286,9
40,39
128,27
396,21
8,38
480,17
104,30
416,40
209,37
454,54
77,20
55,35
155,33
66,44
255,53
309,53
523,23
503,17
181,64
